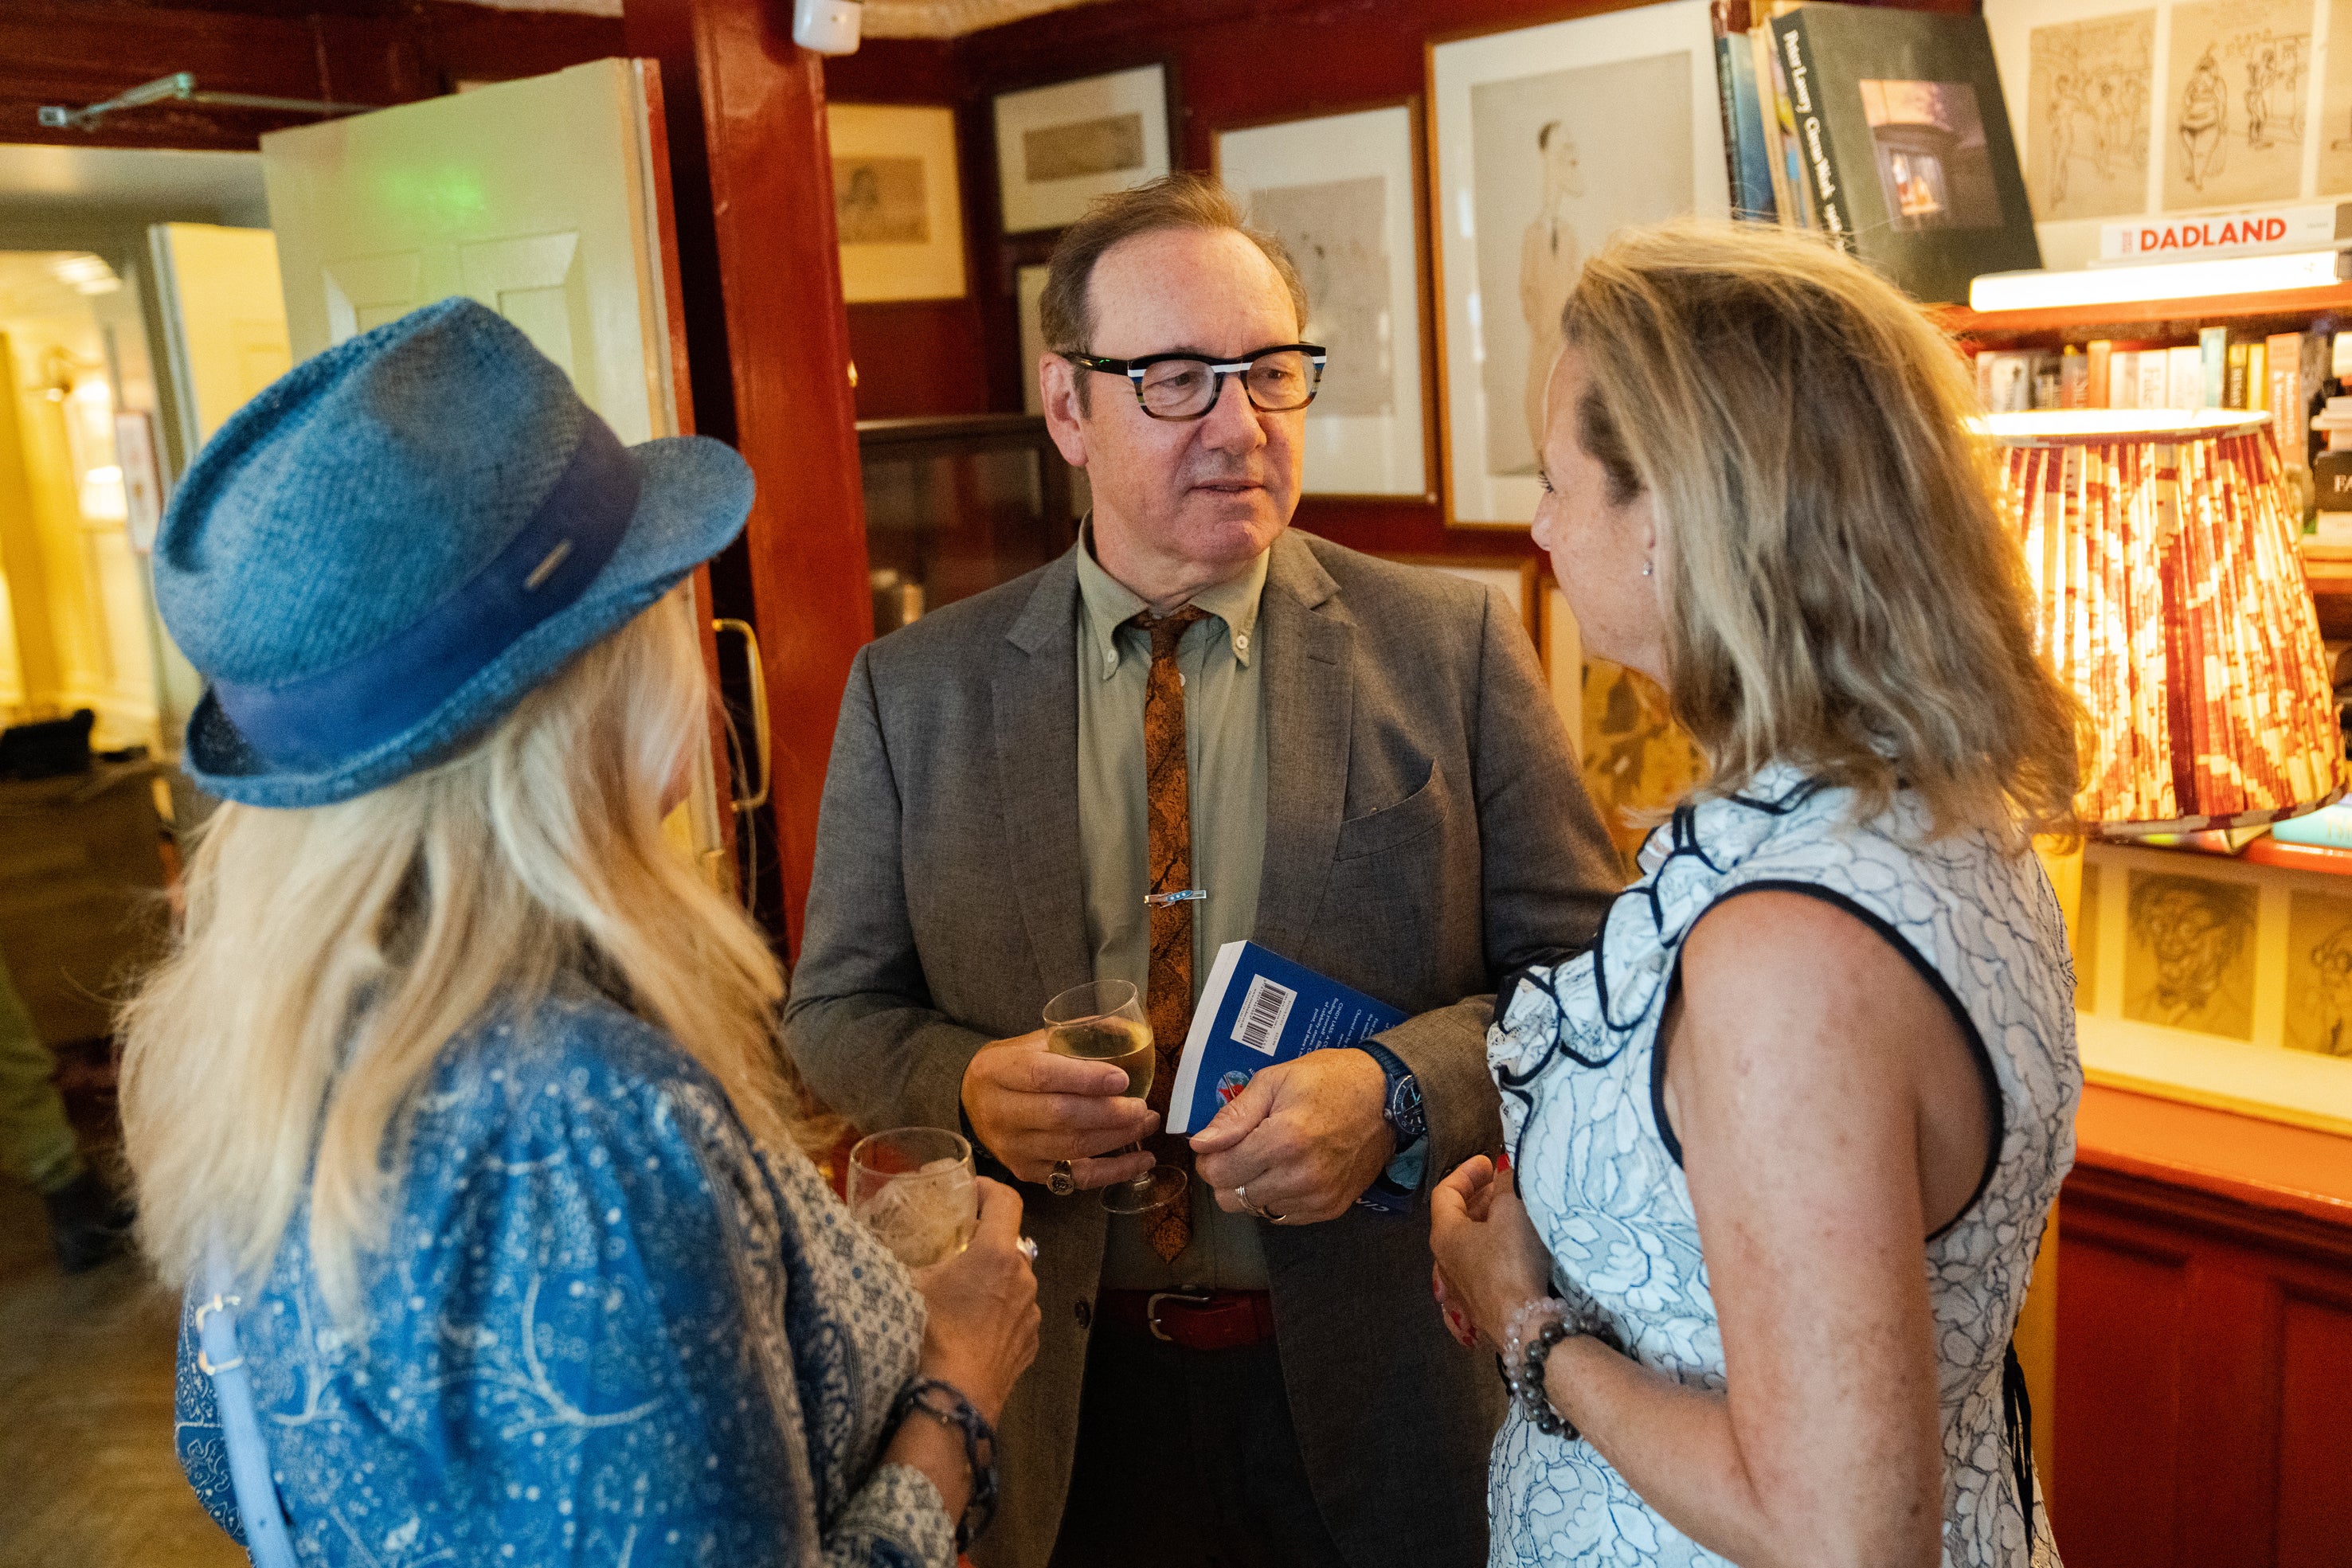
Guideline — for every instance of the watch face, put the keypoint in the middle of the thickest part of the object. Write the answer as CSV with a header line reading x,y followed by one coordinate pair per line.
x,y
1404,1109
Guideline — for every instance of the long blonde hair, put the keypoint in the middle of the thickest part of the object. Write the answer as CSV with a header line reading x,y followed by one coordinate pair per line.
x,y
330,955
1838,589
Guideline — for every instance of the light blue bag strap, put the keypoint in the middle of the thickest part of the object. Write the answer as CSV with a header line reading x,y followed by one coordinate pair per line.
x,y
219,1358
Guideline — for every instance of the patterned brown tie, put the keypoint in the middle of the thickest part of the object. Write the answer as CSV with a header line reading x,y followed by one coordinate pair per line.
x,y
1168,994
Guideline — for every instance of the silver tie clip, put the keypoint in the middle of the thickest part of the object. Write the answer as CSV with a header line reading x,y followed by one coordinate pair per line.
x,y
1182,895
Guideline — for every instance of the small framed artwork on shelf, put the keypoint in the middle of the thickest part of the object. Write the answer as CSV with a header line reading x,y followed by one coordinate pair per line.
x,y
2217,980
1342,194
1543,142
896,202
1059,147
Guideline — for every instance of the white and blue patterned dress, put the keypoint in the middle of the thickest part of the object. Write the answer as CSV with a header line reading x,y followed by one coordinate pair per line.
x,y
606,1329
1575,1052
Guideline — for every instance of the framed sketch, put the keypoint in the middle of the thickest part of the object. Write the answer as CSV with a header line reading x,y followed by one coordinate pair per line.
x,y
1543,142
896,202
1029,293
1059,147
2131,109
1343,195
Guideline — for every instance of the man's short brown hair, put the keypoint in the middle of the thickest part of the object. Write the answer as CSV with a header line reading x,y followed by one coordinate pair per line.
x,y
1180,201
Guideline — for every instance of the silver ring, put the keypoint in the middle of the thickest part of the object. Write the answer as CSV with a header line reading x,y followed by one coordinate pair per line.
x,y
1029,1248
1241,1195
1059,1181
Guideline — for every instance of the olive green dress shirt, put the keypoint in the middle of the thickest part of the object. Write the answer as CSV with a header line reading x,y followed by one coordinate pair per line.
x,y
1225,751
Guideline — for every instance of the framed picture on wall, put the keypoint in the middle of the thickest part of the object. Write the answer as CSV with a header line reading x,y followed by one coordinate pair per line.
x,y
1059,147
1029,293
896,203
1543,142
1342,192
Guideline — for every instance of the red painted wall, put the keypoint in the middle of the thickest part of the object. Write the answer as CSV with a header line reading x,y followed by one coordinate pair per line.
x,y
1233,62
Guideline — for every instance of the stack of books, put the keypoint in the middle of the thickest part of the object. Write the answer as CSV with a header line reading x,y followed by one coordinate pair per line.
x,y
1885,129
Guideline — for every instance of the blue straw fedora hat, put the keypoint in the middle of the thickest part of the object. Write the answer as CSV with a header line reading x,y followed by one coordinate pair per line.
x,y
374,559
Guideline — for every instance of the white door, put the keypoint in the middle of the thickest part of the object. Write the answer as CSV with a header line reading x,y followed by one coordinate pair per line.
x,y
536,198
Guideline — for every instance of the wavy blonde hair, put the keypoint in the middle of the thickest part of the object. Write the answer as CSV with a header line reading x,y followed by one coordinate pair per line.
x,y
1838,589
330,955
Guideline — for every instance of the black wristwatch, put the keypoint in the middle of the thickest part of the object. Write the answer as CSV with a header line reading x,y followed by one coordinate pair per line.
x,y
1402,1108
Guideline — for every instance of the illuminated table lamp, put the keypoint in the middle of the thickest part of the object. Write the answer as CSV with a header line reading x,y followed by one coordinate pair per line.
x,y
2162,548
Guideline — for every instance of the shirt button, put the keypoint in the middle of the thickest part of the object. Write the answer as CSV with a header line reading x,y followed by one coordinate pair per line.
x,y
1085,1314
1241,642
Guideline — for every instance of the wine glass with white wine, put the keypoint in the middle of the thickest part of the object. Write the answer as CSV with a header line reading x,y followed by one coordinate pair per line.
x,y
1103,1020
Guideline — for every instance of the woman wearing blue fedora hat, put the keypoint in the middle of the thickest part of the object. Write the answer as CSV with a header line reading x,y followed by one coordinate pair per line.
x,y
457,1104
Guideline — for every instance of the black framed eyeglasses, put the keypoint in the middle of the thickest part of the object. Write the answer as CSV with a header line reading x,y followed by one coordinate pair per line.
x,y
1280,380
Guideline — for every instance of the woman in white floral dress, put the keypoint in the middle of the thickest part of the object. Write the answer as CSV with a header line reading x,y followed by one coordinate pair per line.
x,y
1781,1146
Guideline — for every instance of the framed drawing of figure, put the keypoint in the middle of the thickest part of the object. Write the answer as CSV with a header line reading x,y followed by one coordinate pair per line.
x,y
896,202
1543,142
1342,192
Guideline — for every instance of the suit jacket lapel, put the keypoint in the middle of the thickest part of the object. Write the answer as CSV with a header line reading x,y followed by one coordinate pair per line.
x,y
1036,707
1309,647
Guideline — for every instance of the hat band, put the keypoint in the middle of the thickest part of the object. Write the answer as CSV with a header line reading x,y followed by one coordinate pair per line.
x,y
386,692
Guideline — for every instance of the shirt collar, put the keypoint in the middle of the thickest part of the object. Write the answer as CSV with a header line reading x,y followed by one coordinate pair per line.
x,y
1110,604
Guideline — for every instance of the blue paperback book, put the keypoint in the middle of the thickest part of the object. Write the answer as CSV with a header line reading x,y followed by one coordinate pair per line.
x,y
1257,1008
2330,827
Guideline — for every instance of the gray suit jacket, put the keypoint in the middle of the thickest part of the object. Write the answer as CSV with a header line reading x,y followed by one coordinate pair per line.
x,y
1427,830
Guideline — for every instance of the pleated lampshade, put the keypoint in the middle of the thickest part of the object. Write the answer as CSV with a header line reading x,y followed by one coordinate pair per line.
x,y
2163,549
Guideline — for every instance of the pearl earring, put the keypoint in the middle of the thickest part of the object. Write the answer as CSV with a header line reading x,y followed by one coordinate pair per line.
x,y
1645,569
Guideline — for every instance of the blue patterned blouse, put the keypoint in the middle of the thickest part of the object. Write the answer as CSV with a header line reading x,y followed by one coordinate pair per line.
x,y
606,1329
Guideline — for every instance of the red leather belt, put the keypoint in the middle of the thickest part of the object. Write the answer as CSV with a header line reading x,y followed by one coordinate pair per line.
x,y
1196,1320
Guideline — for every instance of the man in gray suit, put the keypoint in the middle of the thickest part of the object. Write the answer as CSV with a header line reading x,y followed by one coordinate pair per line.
x,y
1197,727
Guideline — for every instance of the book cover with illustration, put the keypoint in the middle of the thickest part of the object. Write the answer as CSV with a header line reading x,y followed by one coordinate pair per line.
x,y
1257,1008
1907,143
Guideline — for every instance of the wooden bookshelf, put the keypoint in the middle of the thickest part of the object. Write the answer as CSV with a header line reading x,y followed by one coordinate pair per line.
x,y
2267,851
2327,569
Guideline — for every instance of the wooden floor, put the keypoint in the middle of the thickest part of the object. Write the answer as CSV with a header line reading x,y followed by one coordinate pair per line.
x,y
88,1479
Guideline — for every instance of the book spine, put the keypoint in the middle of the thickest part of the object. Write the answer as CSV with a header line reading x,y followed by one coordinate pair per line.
x,y
2285,389
2074,378
1795,191
2123,387
2233,376
1823,178
1727,102
1768,114
2101,352
2155,373
2213,368
2184,379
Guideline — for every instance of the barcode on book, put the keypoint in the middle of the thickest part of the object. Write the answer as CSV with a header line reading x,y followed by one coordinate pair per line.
x,y
1263,1012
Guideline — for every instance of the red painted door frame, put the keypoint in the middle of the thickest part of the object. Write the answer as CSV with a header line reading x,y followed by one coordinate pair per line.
x,y
768,340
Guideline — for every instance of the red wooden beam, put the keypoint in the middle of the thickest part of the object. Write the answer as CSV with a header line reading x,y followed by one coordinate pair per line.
x,y
753,185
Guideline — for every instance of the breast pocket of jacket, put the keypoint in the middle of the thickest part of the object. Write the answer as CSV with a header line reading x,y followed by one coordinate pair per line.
x,y
1416,815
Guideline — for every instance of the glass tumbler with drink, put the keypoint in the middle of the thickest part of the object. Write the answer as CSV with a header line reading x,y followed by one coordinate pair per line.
x,y
914,1188
1103,1020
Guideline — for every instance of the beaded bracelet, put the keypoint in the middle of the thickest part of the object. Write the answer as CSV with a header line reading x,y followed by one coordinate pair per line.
x,y
958,1413
1540,1323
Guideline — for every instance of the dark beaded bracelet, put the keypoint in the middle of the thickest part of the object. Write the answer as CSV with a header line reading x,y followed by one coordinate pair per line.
x,y
946,1403
1536,1400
